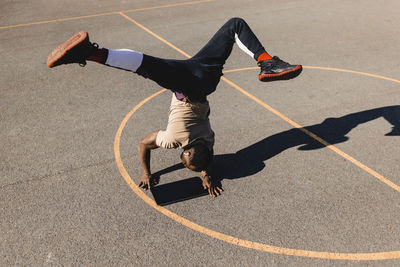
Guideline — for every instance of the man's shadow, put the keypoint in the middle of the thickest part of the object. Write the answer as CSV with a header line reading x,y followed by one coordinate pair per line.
x,y
250,160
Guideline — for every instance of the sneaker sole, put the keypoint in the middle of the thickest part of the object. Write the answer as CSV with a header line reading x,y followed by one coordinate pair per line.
x,y
286,75
62,49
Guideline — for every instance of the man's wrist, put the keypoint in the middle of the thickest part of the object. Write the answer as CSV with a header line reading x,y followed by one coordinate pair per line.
x,y
206,176
146,174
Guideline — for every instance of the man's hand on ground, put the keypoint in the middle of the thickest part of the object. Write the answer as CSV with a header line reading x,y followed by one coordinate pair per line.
x,y
212,187
147,181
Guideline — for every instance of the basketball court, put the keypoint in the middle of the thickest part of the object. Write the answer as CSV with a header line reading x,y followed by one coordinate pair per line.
x,y
309,166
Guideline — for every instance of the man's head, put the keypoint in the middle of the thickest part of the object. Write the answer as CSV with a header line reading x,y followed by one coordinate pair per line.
x,y
197,157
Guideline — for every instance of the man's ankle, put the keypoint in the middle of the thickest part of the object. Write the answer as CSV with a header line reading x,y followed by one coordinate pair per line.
x,y
99,55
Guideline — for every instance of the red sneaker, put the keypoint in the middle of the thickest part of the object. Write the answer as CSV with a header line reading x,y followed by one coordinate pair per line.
x,y
75,50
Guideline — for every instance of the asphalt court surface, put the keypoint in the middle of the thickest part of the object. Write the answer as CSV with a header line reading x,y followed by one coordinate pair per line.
x,y
69,133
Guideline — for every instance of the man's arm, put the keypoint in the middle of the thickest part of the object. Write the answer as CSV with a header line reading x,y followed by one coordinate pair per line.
x,y
145,146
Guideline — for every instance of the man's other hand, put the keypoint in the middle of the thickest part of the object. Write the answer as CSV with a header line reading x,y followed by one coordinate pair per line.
x,y
147,181
213,188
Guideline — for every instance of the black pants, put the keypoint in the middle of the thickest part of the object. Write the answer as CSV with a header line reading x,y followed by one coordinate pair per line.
x,y
199,76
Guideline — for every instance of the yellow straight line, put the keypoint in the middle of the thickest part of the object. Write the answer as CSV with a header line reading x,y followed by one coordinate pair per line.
x,y
322,141
57,20
165,6
314,136
103,14
155,35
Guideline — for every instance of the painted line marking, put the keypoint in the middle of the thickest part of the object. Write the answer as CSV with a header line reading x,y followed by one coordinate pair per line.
x,y
221,236
314,136
104,14
155,35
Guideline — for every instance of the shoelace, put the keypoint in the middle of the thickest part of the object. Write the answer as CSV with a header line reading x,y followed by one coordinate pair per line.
x,y
281,62
276,61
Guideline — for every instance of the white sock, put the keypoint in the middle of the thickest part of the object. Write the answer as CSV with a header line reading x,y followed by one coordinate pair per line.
x,y
124,59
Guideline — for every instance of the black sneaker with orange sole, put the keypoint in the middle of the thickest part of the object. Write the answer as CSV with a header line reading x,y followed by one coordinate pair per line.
x,y
277,69
76,50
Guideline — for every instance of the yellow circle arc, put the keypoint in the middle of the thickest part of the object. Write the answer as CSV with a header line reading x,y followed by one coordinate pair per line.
x,y
231,239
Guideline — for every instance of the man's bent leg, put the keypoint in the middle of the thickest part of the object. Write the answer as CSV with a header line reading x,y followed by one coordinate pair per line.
x,y
218,49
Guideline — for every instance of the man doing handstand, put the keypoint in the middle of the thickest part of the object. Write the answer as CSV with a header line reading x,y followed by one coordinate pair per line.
x,y
190,80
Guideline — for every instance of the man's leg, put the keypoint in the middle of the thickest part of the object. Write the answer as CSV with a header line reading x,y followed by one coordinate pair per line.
x,y
218,49
236,30
184,76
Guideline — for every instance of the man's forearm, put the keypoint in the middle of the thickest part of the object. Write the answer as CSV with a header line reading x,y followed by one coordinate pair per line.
x,y
145,146
145,159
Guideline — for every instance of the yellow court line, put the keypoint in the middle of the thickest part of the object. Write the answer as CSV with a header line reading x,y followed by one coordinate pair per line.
x,y
221,236
57,20
103,14
155,35
322,141
314,136
165,6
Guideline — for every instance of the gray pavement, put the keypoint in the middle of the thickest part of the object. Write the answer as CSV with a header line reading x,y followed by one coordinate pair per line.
x,y
63,200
